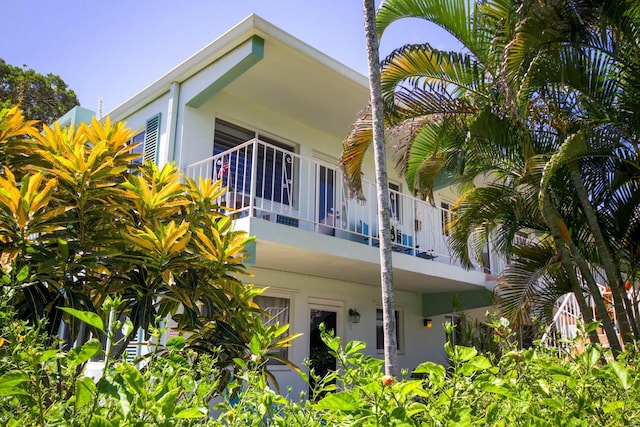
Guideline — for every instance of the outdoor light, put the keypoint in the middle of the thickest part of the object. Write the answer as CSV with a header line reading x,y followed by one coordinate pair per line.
x,y
354,315
427,322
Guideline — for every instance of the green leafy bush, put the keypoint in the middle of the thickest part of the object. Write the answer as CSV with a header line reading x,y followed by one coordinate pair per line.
x,y
42,385
83,221
537,386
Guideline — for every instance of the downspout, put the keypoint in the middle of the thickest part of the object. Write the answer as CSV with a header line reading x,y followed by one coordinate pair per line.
x,y
172,121
172,125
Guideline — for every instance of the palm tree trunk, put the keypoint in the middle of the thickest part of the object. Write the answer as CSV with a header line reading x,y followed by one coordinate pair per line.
x,y
388,307
560,232
621,303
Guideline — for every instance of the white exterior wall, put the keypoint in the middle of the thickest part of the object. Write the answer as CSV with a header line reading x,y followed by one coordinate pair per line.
x,y
138,120
420,343
194,135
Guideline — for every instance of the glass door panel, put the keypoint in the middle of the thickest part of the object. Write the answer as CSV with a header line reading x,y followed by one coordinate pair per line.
x,y
326,199
321,360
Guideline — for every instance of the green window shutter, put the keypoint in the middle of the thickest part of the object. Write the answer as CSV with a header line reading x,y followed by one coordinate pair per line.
x,y
151,138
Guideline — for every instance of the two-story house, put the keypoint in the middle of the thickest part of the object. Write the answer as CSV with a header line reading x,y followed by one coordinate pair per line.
x,y
267,114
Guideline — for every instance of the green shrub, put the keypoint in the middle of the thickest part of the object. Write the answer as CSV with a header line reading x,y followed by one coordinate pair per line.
x,y
42,385
535,386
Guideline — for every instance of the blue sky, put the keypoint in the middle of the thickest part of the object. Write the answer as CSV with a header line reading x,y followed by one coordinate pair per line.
x,y
112,50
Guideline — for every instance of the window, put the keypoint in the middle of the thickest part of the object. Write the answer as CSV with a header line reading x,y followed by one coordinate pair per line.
x,y
278,309
446,217
138,139
147,141
274,168
394,201
235,169
380,331
227,136
275,171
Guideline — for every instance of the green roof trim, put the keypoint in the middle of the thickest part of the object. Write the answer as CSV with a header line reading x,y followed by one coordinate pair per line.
x,y
76,116
256,53
443,181
443,303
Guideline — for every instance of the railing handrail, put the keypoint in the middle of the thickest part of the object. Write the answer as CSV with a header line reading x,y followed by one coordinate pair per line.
x,y
336,168
560,312
217,156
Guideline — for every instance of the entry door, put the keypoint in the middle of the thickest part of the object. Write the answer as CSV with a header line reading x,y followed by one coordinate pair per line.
x,y
321,360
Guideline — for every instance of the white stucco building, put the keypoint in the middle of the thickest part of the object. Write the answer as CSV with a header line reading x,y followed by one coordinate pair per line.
x,y
267,114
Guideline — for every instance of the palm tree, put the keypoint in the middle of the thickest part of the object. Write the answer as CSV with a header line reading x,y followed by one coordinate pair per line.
x,y
585,92
377,125
505,109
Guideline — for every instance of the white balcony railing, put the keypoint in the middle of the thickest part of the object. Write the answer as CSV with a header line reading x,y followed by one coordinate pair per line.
x,y
274,184
564,326
568,319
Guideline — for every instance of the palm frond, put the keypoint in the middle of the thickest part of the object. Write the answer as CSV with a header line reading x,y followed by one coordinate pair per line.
x,y
494,211
464,19
354,148
431,154
531,283
419,65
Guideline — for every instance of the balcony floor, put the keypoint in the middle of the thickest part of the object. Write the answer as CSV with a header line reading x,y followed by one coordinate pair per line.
x,y
286,248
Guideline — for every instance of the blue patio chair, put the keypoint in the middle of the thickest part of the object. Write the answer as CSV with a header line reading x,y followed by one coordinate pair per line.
x,y
364,228
407,243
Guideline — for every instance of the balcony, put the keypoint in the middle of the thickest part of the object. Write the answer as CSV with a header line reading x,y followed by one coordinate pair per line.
x,y
268,182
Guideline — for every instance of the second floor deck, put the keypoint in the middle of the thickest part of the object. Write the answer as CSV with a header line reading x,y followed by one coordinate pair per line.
x,y
277,185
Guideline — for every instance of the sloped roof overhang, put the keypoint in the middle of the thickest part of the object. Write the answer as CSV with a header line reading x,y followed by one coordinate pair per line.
x,y
235,63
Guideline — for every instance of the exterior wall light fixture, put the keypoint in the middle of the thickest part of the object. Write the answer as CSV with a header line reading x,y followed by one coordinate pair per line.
x,y
427,322
354,315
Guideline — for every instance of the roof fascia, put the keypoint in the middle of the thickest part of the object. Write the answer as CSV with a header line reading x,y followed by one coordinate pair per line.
x,y
248,54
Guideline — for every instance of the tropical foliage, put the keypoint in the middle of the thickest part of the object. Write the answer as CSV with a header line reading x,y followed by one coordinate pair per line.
x,y
40,386
83,222
538,106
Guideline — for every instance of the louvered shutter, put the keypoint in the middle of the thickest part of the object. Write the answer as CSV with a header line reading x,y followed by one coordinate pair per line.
x,y
151,137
